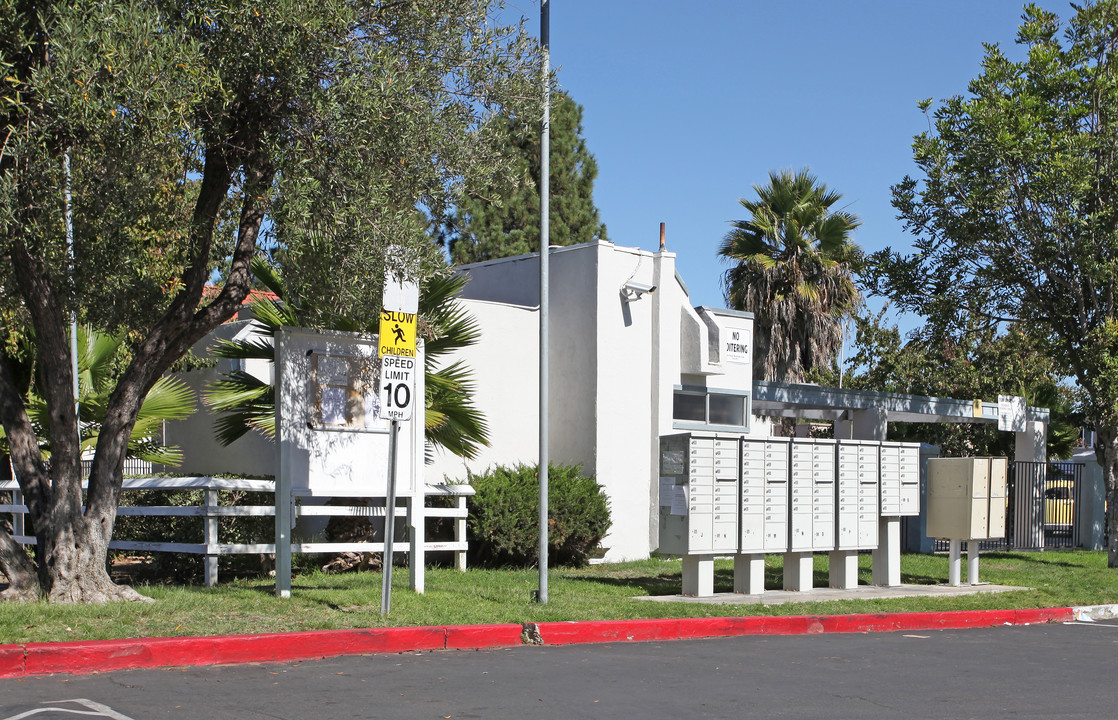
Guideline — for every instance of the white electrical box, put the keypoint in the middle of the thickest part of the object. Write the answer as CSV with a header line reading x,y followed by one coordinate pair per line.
x,y
698,494
966,498
856,515
764,495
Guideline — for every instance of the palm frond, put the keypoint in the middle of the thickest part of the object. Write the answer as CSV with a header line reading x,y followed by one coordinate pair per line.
x,y
791,264
169,399
251,348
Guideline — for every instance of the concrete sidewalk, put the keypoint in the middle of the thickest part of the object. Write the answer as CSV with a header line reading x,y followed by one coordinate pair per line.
x,y
862,592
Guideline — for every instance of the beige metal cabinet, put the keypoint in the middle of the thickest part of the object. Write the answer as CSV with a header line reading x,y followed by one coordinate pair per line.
x,y
966,498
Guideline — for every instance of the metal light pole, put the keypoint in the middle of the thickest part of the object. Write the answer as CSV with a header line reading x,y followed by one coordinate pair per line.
x,y
545,238
69,217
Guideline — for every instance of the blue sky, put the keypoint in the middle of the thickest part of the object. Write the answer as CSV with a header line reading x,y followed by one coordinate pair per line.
x,y
689,104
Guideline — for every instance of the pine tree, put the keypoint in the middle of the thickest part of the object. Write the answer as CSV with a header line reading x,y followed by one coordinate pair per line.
x,y
485,228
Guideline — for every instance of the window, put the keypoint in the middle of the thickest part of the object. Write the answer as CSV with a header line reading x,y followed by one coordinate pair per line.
x,y
726,410
689,406
710,408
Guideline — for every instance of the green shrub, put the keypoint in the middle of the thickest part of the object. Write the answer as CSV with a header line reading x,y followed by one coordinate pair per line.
x,y
503,524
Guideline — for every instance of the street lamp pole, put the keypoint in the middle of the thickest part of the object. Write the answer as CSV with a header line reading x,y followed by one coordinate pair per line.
x,y
545,239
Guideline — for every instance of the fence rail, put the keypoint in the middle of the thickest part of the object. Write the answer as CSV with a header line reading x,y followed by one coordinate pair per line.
x,y
212,511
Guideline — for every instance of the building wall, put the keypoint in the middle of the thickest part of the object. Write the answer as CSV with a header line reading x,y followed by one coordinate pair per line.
x,y
253,454
505,364
626,396
613,368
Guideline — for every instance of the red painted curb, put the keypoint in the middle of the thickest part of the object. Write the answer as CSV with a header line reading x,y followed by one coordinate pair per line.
x,y
567,633
108,655
11,661
472,637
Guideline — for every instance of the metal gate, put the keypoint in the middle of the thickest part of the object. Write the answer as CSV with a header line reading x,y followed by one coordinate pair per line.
x,y
1043,507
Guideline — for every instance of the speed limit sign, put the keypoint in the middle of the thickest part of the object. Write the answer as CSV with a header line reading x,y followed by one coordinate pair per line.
x,y
397,387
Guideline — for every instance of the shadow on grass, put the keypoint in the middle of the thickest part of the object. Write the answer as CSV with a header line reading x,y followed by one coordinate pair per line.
x,y
1039,558
671,583
908,578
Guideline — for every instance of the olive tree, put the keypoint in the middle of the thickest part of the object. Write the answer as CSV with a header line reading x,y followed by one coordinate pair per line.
x,y
180,138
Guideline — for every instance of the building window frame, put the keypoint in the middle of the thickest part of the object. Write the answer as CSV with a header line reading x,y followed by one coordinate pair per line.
x,y
706,393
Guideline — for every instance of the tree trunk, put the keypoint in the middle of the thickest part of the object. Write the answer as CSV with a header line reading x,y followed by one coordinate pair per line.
x,y
1106,450
73,567
18,568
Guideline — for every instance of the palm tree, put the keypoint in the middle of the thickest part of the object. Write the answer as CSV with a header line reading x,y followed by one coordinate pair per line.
x,y
793,261
100,358
451,419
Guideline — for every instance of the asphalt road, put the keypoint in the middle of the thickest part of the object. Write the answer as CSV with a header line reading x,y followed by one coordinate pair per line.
x,y
1046,671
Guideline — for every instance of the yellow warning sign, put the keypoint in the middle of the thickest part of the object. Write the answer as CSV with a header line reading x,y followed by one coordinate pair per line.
x,y
397,333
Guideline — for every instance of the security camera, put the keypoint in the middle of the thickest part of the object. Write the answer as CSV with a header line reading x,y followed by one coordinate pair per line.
x,y
632,291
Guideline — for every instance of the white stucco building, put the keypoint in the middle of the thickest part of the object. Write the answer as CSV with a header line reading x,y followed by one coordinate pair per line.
x,y
630,360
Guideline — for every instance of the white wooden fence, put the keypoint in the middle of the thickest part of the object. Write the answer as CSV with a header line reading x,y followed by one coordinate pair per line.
x,y
212,547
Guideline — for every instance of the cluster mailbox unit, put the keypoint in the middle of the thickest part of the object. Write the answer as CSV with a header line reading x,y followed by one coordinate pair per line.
x,y
966,501
723,494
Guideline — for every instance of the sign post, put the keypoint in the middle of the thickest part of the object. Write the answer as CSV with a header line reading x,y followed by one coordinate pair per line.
x,y
397,350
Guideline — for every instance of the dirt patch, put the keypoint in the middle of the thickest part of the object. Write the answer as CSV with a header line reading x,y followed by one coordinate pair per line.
x,y
135,570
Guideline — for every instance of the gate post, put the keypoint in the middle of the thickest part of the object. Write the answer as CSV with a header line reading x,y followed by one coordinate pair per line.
x,y
1030,454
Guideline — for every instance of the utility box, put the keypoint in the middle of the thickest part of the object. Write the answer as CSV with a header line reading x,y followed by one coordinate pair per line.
x,y
699,494
999,496
764,495
966,498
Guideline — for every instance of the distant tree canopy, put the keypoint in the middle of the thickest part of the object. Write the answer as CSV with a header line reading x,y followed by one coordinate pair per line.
x,y
189,135
981,363
1015,216
485,227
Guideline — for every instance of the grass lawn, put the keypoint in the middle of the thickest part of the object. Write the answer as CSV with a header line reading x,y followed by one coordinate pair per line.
x,y
600,592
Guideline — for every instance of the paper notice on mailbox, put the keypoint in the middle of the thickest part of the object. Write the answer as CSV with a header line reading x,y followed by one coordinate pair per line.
x,y
671,462
679,500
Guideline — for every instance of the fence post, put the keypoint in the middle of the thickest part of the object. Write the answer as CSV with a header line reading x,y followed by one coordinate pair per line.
x,y
18,525
460,533
210,537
